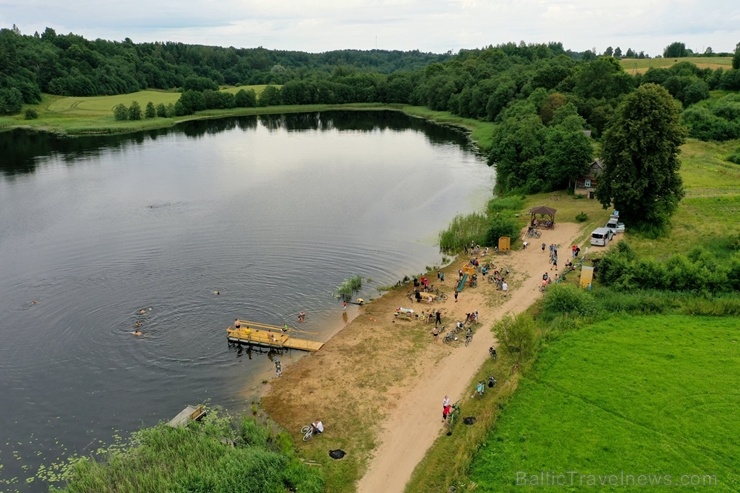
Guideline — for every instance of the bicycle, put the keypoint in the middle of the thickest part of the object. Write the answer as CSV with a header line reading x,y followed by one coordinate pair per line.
x,y
468,336
307,432
534,233
450,337
452,418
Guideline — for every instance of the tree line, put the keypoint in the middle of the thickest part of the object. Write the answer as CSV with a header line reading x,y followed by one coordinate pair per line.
x,y
543,98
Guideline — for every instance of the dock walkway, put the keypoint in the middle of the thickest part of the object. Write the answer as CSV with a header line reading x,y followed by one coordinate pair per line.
x,y
270,336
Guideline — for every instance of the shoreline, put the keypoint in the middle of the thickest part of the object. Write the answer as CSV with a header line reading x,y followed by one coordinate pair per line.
x,y
106,127
375,384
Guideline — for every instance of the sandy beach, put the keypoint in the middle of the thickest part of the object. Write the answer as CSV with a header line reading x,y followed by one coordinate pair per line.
x,y
378,384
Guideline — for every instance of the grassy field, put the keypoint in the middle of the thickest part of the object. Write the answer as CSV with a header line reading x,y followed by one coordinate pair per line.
x,y
710,210
641,65
86,115
639,395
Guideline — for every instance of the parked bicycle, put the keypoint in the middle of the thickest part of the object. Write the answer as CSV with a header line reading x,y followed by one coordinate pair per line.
x,y
452,418
307,432
450,337
469,336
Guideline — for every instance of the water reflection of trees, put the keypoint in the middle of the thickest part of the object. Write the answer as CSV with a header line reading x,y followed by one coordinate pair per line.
x,y
21,151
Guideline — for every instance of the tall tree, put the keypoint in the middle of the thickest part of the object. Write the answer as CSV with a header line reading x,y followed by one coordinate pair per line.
x,y
736,58
675,50
640,154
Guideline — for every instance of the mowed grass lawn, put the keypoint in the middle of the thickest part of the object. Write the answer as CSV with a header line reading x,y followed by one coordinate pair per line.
x,y
641,65
636,395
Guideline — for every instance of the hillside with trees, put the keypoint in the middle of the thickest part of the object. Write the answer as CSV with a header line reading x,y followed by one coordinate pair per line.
x,y
542,97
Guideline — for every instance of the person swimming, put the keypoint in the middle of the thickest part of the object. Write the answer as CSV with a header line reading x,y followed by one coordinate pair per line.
x,y
137,332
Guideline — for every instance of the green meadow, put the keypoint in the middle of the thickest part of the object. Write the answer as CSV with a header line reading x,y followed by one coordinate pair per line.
x,y
640,65
654,395
86,115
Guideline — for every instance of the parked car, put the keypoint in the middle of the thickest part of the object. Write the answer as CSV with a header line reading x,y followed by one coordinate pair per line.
x,y
615,225
601,236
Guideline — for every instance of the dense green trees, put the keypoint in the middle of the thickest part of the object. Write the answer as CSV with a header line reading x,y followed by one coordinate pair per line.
x,y
640,154
73,66
715,119
675,50
533,157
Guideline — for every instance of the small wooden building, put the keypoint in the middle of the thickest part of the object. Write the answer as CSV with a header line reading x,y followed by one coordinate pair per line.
x,y
586,184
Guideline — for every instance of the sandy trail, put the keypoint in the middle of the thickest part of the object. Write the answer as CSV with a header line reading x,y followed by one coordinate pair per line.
x,y
415,423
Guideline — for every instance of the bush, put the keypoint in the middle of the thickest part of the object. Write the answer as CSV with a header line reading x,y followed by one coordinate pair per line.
x,y
567,299
501,226
120,112
31,114
517,335
134,111
734,157
150,112
161,110
581,217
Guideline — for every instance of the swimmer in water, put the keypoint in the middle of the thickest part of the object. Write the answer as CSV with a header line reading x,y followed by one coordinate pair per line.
x,y
137,332
138,324
142,312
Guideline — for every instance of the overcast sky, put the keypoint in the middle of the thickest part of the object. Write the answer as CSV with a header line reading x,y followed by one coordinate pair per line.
x,y
426,25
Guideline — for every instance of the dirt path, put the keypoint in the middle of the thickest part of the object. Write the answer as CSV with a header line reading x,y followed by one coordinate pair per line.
x,y
378,384
412,428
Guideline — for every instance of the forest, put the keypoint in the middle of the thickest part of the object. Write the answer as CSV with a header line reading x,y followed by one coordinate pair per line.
x,y
549,103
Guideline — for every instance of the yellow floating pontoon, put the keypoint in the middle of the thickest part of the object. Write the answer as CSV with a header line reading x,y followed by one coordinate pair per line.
x,y
270,336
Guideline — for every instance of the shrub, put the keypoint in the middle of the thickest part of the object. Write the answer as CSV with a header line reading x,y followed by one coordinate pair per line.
x,y
150,112
161,110
501,226
31,114
734,157
581,217
120,112
134,111
568,299
517,335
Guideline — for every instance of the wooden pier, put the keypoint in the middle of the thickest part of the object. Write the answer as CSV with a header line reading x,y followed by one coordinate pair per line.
x,y
270,336
190,413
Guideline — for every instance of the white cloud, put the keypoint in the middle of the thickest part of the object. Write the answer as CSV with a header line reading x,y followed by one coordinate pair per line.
x,y
431,25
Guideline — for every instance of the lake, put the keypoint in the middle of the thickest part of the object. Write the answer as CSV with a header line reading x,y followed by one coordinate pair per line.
x,y
273,213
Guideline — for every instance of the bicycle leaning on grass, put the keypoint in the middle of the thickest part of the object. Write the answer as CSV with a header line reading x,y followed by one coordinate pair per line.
x,y
307,432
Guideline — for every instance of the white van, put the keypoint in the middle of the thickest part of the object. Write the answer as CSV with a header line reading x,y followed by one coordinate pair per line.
x,y
601,236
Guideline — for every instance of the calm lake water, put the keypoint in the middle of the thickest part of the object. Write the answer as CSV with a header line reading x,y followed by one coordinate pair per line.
x,y
272,212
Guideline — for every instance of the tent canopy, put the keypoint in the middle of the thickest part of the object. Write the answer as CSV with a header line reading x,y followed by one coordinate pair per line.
x,y
543,211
